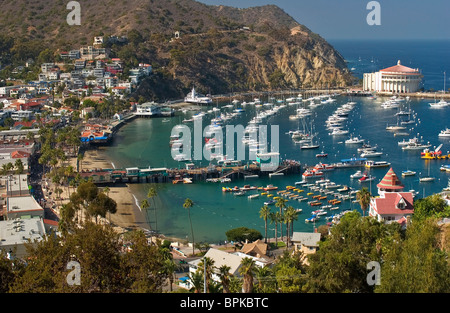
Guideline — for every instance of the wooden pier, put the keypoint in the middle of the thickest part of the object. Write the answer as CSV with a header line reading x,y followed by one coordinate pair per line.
x,y
188,174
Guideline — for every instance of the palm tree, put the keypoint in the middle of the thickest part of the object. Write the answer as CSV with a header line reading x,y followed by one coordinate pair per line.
x,y
145,205
281,204
247,268
264,213
363,196
224,274
152,194
274,219
19,170
80,158
188,203
196,279
263,277
289,216
169,268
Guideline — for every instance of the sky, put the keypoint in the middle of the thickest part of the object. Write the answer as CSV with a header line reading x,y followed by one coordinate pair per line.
x,y
347,19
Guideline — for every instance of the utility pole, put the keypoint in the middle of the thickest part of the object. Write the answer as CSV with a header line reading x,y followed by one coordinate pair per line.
x,y
204,275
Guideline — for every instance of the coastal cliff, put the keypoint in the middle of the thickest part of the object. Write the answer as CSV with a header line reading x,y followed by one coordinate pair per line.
x,y
218,49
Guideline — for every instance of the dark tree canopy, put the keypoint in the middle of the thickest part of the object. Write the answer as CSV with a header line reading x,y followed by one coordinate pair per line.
x,y
241,234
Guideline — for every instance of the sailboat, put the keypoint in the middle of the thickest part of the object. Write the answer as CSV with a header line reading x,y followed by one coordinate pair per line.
x,y
427,178
310,144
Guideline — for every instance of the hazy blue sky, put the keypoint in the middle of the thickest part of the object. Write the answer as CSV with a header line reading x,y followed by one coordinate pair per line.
x,y
345,19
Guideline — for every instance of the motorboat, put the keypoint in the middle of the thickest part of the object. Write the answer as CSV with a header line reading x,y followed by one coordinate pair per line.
x,y
439,105
339,132
312,174
448,186
321,155
366,178
416,146
194,97
405,142
323,167
354,140
445,133
372,164
270,187
408,173
357,175
371,154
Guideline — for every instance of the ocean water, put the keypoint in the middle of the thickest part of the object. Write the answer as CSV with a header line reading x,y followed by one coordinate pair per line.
x,y
145,142
431,57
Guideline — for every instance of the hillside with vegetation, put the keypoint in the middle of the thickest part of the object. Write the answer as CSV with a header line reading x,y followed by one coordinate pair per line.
x,y
220,49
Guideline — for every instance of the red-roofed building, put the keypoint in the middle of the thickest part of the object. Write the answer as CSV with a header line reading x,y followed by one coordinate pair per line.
x,y
390,183
394,79
392,205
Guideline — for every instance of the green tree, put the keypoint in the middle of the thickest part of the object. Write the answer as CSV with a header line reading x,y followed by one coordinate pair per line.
x,y
340,263
275,218
242,234
188,203
416,264
196,280
225,277
363,197
265,279
264,213
18,164
290,215
145,205
247,271
281,205
151,195
432,206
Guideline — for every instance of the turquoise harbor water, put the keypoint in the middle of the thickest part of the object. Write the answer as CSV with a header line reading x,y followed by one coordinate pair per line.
x,y
145,142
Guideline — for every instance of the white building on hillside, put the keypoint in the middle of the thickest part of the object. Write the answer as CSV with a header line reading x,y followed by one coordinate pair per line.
x,y
394,79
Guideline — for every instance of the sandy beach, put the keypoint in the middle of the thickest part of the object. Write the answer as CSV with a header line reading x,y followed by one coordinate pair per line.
x,y
128,215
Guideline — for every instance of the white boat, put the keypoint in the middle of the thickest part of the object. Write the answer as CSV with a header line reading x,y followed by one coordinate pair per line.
x,y
439,105
416,146
426,179
253,196
354,140
194,97
445,133
357,175
366,178
395,127
408,173
372,164
405,142
309,145
371,154
339,132
448,186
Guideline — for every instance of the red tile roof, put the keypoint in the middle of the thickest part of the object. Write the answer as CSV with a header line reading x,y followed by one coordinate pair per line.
x,y
390,181
387,205
401,69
